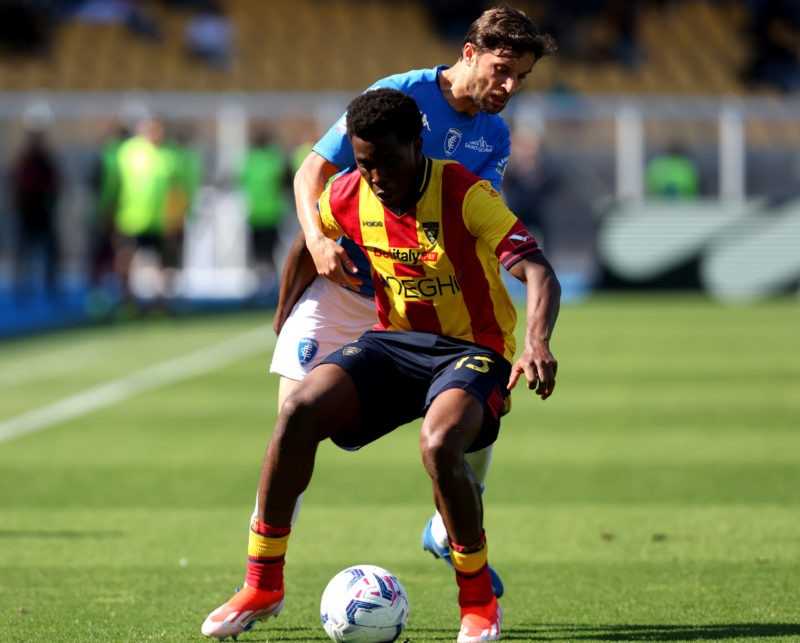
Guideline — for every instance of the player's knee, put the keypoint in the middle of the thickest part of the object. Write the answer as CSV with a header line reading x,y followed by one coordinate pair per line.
x,y
440,454
297,422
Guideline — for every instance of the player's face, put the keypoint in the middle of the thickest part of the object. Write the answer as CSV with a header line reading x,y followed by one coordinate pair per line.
x,y
391,168
494,78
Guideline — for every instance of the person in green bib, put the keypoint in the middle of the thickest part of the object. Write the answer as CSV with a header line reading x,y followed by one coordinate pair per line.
x,y
672,174
145,175
265,178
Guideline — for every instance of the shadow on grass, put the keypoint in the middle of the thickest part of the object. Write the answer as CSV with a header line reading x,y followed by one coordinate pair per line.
x,y
716,632
52,535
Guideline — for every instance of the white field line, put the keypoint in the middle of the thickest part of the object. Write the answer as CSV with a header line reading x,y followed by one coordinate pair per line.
x,y
154,377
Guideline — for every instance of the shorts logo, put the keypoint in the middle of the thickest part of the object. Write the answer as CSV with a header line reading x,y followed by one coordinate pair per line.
x,y
451,141
348,351
306,349
431,230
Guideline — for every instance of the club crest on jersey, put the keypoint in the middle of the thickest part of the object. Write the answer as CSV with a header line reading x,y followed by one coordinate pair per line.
x,y
350,350
431,230
452,141
306,349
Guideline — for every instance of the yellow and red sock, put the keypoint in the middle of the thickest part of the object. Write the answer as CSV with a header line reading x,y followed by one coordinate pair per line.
x,y
472,572
266,555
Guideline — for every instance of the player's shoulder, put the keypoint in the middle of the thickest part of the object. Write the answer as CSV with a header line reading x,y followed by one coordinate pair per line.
x,y
456,169
493,123
455,178
407,81
344,184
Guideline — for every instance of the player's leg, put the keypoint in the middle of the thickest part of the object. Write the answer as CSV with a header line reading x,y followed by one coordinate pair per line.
x,y
285,388
325,402
325,317
452,423
434,534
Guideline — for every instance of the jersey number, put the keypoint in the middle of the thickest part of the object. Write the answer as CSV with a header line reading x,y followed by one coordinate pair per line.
x,y
475,362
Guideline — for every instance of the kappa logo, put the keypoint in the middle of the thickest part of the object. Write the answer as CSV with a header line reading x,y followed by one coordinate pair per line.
x,y
306,350
479,146
501,167
431,230
452,141
341,125
518,239
425,122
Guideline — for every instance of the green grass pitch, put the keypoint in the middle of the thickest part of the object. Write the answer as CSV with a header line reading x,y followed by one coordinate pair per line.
x,y
654,497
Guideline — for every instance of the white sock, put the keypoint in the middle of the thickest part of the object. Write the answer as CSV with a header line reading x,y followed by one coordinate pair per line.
x,y
438,531
295,513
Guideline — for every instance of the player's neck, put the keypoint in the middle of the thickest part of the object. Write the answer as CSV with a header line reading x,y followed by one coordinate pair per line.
x,y
421,182
452,85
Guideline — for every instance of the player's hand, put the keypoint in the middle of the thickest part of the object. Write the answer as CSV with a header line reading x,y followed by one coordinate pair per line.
x,y
332,262
539,367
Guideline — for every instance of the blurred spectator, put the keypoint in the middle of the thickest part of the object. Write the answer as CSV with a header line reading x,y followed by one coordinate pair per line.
x,y
105,181
186,165
622,19
672,174
530,180
130,13
774,29
35,186
265,178
209,37
145,174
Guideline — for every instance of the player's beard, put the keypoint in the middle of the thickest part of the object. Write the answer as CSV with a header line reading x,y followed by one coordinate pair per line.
x,y
491,102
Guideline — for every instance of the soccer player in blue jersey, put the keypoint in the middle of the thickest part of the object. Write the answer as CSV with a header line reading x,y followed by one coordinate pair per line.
x,y
435,235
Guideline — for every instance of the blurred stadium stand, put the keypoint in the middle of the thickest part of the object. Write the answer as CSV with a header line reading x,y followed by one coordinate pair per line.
x,y
602,107
688,47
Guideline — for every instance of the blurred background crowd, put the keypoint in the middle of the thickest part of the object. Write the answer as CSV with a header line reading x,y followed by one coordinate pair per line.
x,y
662,135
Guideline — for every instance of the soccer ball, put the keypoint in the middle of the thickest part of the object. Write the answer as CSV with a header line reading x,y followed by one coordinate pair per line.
x,y
364,604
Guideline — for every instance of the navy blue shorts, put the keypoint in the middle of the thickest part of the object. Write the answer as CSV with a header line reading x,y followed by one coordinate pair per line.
x,y
398,374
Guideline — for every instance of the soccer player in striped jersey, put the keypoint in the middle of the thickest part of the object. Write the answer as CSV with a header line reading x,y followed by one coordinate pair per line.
x,y
460,108
435,235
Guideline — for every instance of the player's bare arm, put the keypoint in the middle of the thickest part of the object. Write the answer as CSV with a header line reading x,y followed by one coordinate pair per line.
x,y
329,257
298,272
536,362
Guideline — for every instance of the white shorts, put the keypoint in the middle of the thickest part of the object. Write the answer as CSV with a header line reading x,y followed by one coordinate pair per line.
x,y
326,317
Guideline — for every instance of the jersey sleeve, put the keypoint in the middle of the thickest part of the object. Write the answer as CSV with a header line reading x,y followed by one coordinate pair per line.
x,y
499,161
488,218
493,167
334,146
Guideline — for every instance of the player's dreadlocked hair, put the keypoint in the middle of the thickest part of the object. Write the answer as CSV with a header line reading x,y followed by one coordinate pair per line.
x,y
382,112
509,31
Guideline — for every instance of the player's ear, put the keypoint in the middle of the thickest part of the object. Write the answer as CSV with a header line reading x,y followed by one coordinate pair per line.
x,y
418,147
469,53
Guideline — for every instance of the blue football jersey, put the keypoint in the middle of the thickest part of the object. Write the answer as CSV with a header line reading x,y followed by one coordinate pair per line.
x,y
481,142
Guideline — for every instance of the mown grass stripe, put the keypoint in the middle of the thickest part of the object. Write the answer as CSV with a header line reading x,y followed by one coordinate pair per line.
x,y
154,377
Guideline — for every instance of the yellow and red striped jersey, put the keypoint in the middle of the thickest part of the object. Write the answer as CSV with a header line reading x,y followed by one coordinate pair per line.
x,y
436,267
